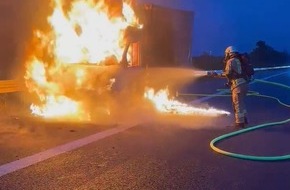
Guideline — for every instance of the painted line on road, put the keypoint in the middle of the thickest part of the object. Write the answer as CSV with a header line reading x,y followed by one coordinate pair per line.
x,y
39,157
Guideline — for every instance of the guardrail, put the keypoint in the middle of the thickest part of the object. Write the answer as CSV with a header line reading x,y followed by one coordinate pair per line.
x,y
255,69
271,68
6,87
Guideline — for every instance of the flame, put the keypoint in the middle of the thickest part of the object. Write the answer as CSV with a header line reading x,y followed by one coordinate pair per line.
x,y
85,32
164,104
57,107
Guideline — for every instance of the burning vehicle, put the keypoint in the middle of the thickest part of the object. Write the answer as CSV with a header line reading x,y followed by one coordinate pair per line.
x,y
73,66
81,52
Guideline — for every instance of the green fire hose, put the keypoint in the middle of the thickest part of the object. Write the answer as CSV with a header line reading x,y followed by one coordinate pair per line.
x,y
246,130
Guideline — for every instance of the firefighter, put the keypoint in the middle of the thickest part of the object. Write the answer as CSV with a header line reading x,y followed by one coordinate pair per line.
x,y
237,84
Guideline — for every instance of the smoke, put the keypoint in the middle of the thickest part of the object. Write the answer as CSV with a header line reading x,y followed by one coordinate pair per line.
x,y
129,107
172,77
124,105
124,102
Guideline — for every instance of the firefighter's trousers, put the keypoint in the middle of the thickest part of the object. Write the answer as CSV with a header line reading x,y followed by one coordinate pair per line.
x,y
238,100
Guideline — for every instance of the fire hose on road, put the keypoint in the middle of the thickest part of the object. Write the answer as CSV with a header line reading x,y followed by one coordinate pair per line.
x,y
246,130
251,157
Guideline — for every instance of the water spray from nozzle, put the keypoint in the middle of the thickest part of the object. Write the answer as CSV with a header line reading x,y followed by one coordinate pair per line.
x,y
200,73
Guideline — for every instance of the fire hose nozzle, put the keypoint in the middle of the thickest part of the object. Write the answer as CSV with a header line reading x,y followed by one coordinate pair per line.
x,y
215,74
212,73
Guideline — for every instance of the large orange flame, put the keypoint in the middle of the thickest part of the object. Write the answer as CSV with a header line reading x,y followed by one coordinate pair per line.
x,y
85,32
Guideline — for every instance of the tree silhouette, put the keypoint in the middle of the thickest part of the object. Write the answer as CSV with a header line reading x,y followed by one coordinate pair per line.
x,y
264,55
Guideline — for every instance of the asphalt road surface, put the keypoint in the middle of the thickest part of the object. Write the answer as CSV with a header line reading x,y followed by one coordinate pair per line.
x,y
167,152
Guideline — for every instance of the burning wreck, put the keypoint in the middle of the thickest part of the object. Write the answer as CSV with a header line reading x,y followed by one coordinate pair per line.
x,y
81,34
72,67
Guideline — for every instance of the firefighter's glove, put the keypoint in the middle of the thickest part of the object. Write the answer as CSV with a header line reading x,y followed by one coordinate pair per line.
x,y
212,73
228,84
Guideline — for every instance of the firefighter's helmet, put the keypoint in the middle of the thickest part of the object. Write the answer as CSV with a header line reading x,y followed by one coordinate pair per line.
x,y
230,50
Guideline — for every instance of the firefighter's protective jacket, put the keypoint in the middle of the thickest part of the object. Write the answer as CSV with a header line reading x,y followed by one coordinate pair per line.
x,y
232,70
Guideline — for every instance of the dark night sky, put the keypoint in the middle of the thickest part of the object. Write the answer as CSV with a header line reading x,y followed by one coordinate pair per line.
x,y
219,23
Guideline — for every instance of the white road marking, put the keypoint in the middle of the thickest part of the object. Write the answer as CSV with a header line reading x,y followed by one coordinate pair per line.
x,y
39,157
